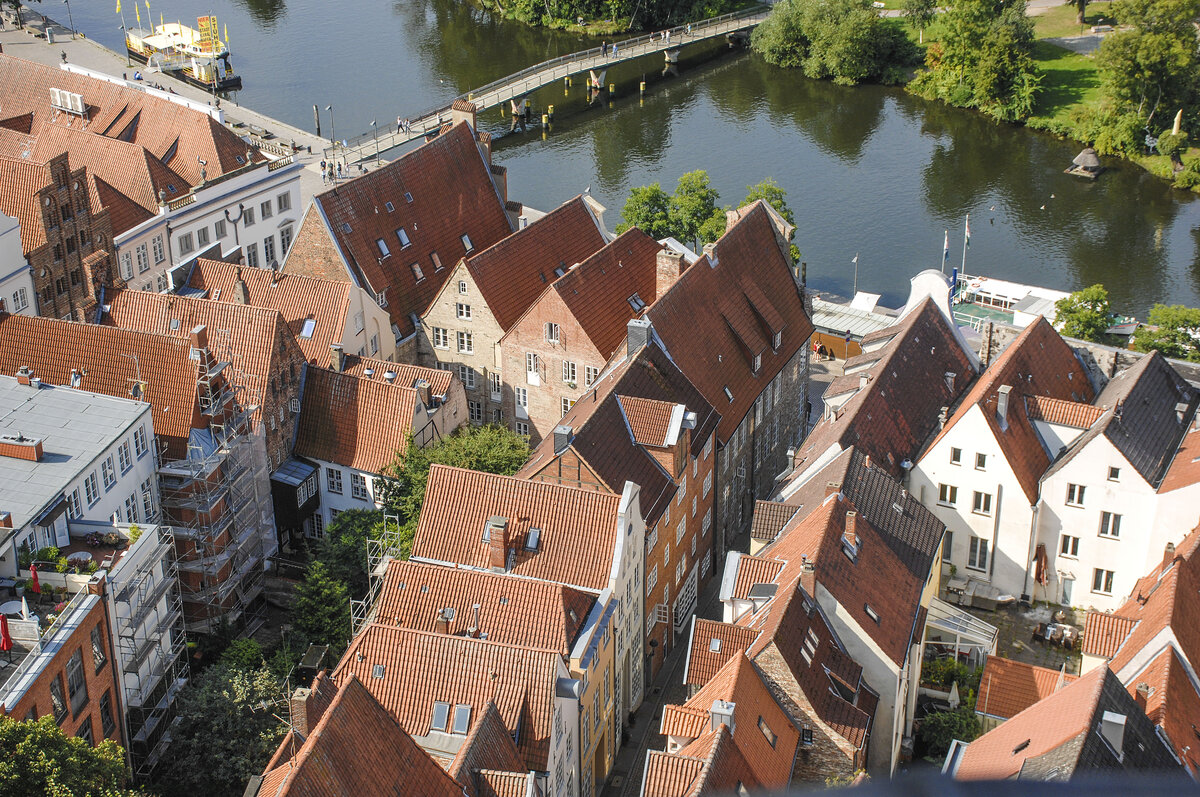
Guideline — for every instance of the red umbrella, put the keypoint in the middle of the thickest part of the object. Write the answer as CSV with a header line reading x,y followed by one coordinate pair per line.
x,y
5,640
36,585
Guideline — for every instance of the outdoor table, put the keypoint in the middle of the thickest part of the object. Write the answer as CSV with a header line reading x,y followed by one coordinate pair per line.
x,y
11,608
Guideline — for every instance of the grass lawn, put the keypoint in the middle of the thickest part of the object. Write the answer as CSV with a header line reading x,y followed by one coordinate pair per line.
x,y
1068,79
1060,20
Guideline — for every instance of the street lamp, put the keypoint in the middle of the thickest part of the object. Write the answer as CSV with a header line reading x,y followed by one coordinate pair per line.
x,y
332,126
70,19
375,135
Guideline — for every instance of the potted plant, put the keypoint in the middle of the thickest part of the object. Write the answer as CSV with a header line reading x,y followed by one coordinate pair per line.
x,y
112,538
20,587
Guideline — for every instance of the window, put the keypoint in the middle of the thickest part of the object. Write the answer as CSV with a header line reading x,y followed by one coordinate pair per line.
x,y
358,487
20,300
201,238
252,255
185,244
126,266
437,261
1075,494
463,311
285,242
978,555
462,719
494,381
983,503
441,338
148,500
143,255
522,396
402,236
219,229
955,456
139,441
980,461
462,286
266,209
466,344
74,508
521,428
552,332
76,684
708,483
568,372
91,489
383,248
947,495
269,251
531,367
123,457
636,303
1102,581
1114,474
99,658
131,508
333,480
107,724
757,363
466,242
1069,546
1110,524
466,375
57,700
947,545
590,374
567,404
108,472
441,715
60,285
248,219
651,580
85,731
283,202
161,282
417,273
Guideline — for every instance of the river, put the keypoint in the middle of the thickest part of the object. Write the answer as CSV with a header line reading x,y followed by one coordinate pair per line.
x,y
869,170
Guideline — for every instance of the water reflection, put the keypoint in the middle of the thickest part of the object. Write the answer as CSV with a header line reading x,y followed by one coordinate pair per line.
x,y
267,13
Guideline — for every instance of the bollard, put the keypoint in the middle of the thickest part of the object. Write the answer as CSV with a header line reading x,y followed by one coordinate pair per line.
x,y
612,88
550,110
642,87
545,120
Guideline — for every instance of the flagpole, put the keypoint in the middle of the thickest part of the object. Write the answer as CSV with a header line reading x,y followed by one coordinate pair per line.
x,y
945,251
855,275
966,242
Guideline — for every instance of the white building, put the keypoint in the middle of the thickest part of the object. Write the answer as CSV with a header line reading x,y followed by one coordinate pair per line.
x,y
16,278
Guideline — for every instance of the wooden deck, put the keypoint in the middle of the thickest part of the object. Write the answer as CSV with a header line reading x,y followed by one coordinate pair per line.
x,y
521,83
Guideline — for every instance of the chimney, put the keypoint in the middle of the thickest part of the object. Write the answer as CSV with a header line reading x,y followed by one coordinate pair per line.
x,y
863,379
668,266
473,631
337,360
497,526
1168,555
18,446
720,714
1181,412
441,625
199,337
300,711
943,416
76,377
1141,695
5,520
832,488
463,111
851,522
1112,728
639,330
808,576
1002,405
710,251
240,294
24,375
562,438
424,391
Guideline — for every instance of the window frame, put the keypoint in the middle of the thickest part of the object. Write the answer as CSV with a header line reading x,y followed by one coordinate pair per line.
x,y
947,495
1103,578
1068,546
1110,525
978,549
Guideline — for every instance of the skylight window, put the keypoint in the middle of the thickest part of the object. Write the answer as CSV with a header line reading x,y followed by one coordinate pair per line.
x,y
310,326
441,715
462,719
534,539
403,236
728,394
466,241
636,303
874,615
407,197
383,247
714,645
390,207
377,671
345,226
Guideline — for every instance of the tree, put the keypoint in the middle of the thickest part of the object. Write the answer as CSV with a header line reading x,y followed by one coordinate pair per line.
x,y
321,611
343,549
1172,331
1084,314
1080,8
37,758
770,192
243,654
938,731
648,208
225,735
16,8
693,213
920,14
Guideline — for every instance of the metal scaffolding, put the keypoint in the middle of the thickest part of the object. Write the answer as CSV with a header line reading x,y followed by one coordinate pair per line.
x,y
218,499
379,553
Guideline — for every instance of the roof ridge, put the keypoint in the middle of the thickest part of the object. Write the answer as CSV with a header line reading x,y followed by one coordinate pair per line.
x,y
600,497
449,638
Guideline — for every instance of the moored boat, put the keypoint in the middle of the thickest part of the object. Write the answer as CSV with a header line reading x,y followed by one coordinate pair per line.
x,y
195,56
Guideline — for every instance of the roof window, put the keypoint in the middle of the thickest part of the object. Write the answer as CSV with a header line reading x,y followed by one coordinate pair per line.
x,y
441,715
874,615
534,539
714,645
310,326
377,671
390,207
345,226
728,394
636,303
466,240
462,719
240,159
407,197
403,236
383,247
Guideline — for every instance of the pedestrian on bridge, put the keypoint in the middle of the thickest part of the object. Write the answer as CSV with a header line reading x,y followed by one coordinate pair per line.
x,y
604,48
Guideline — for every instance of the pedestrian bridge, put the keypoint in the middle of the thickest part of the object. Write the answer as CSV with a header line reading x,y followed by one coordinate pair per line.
x,y
519,84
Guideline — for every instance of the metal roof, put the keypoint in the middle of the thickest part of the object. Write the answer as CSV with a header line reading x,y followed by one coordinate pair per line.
x,y
840,319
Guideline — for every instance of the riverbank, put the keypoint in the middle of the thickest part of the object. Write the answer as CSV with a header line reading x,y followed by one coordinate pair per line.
x,y
615,24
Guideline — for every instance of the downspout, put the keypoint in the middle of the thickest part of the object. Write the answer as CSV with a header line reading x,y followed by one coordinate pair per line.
x,y
1035,514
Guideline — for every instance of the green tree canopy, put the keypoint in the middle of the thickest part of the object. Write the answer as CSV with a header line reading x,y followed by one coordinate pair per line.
x,y
225,735
920,14
343,549
1172,331
774,195
1084,314
36,758
689,215
321,612
938,731
649,209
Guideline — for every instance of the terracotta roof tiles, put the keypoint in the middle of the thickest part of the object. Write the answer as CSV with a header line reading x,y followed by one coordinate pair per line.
x,y
488,747
348,420
649,420
22,180
683,721
670,775
404,374
703,662
1008,687
1104,633
769,519
755,570
1075,414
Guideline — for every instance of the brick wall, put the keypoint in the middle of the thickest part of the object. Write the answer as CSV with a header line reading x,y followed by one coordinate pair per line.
x,y
278,391
314,251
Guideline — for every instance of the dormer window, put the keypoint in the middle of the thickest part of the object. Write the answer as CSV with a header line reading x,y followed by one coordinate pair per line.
x,y
408,197
778,341
874,615
377,671
757,363
714,645
636,303
441,716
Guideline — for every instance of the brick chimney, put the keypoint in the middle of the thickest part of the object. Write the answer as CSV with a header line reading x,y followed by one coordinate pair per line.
x,y
668,266
497,527
473,631
337,360
850,536
562,438
18,446
441,625
299,705
1141,695
808,576
1168,555
424,391
832,488
5,520
241,294
463,111
24,375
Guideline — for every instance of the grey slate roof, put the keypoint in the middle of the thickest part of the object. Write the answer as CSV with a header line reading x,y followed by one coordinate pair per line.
x,y
1141,420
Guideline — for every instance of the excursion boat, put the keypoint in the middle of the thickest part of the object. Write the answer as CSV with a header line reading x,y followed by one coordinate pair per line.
x,y
978,300
195,56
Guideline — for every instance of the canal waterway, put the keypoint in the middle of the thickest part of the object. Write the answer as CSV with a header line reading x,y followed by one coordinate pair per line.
x,y
868,170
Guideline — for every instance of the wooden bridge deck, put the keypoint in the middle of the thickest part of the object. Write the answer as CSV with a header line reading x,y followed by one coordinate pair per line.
x,y
535,77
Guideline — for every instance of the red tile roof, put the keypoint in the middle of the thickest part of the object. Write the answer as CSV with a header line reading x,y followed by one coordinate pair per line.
x,y
404,374
769,519
1007,687
702,661
683,721
649,419
670,775
356,747
111,360
1173,703
1039,363
452,195
1104,633
755,570
726,309
351,421
296,296
22,180
578,527
1075,414
518,679
518,611
488,747
513,272
1184,469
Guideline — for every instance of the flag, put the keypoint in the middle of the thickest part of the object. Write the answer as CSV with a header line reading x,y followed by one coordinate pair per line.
x,y
946,248
854,260
147,6
137,11
968,230
227,35
118,6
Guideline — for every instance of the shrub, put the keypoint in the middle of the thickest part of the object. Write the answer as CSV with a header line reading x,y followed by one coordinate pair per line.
x,y
938,731
1172,145
48,554
1190,176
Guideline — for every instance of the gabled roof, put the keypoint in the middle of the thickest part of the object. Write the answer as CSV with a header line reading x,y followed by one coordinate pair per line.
x,y
513,272
711,765
604,434
703,662
1059,736
597,292
578,527
452,195
769,519
1104,633
518,611
1008,687
112,359
355,747
649,419
22,180
1060,412
353,421
488,747
895,413
1184,469
1142,406
726,309
297,297
1038,364
402,373
520,681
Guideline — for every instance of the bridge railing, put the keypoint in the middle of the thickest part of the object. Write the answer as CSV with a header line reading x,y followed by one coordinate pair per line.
x,y
594,52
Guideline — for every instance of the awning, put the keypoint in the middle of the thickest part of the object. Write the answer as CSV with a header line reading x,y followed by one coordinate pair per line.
x,y
967,630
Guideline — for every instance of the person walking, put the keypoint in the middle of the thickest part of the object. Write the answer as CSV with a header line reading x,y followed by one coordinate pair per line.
x,y
604,48
339,169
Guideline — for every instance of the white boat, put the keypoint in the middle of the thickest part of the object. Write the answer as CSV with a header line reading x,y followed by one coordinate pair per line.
x,y
197,56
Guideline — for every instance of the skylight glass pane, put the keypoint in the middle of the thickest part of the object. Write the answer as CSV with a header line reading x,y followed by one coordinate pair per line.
x,y
310,326
462,718
441,713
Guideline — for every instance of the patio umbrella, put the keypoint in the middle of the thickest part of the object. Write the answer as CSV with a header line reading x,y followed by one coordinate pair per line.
x,y
24,609
954,699
5,640
36,585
